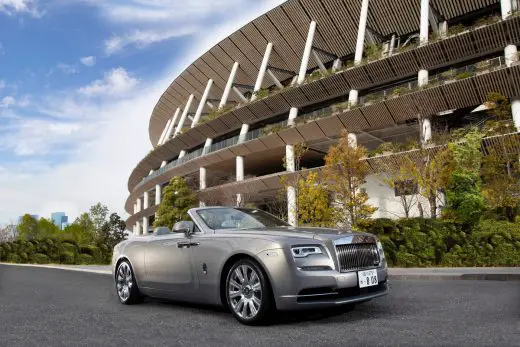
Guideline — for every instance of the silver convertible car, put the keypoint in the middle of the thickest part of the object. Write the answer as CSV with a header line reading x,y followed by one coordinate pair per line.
x,y
250,261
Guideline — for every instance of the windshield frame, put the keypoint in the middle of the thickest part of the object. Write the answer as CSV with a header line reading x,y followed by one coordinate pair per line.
x,y
248,211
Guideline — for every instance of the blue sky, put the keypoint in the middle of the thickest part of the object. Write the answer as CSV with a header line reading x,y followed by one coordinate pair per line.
x,y
78,81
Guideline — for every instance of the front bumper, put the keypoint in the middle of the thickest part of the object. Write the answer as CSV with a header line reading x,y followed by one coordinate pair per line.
x,y
321,289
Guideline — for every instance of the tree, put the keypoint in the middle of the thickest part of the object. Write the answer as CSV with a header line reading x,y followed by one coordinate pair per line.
x,y
178,198
98,215
345,173
399,177
28,228
313,202
47,229
432,174
464,200
112,231
501,188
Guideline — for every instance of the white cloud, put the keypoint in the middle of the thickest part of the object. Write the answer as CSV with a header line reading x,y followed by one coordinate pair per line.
x,y
116,82
7,101
12,7
67,69
88,61
104,138
2,84
141,39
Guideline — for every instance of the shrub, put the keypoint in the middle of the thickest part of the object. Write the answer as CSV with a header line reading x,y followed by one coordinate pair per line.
x,y
422,243
67,258
39,258
85,259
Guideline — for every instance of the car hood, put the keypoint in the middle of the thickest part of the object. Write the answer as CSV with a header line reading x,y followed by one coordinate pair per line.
x,y
322,234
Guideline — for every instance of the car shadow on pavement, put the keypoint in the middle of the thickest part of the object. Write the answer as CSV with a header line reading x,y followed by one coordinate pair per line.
x,y
344,313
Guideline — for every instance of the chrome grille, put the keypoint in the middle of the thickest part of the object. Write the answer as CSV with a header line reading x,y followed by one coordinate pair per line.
x,y
357,256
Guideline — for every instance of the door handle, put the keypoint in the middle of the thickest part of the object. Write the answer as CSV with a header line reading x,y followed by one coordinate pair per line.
x,y
187,244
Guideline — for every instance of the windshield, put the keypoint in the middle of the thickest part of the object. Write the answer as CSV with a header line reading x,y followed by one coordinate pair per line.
x,y
238,218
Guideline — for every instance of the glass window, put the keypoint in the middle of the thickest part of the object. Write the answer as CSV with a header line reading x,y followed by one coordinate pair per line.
x,y
239,218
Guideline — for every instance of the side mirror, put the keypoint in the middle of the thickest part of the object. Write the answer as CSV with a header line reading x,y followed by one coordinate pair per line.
x,y
184,227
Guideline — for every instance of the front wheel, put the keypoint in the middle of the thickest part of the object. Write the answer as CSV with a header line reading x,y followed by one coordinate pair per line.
x,y
126,286
248,292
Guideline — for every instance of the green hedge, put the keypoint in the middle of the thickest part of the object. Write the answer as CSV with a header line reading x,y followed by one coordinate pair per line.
x,y
428,243
54,251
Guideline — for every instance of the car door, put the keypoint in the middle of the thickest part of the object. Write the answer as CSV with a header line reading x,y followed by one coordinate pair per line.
x,y
168,264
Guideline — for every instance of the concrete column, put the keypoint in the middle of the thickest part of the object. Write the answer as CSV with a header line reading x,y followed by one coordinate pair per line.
x,y
426,131
145,225
202,103
135,208
321,66
425,21
239,175
515,109
138,228
362,28
138,205
158,193
353,96
163,164
306,53
240,168
422,78
506,7
207,145
274,79
443,28
337,65
184,115
135,229
182,154
263,68
202,178
352,140
392,46
146,200
172,125
293,113
243,133
202,183
511,54
229,85
163,134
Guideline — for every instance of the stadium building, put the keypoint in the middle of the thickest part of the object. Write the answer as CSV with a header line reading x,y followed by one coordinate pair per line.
x,y
385,70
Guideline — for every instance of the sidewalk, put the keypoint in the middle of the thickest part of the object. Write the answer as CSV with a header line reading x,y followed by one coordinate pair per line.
x,y
476,274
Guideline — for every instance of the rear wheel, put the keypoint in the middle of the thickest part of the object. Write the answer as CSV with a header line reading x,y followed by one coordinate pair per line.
x,y
248,292
126,286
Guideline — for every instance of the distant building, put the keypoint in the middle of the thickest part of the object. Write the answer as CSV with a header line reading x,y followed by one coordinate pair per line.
x,y
60,219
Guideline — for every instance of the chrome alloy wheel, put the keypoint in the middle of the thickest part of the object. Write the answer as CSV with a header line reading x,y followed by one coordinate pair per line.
x,y
245,291
124,281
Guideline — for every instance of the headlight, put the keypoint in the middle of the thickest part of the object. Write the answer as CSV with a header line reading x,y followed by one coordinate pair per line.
x,y
305,251
381,251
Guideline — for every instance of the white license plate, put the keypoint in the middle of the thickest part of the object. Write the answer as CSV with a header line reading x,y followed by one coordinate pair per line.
x,y
367,278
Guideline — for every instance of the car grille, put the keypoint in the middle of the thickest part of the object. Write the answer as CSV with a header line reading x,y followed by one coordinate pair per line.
x,y
357,256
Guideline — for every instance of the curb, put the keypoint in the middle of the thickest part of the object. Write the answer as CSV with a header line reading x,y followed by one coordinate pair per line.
x,y
457,277
57,267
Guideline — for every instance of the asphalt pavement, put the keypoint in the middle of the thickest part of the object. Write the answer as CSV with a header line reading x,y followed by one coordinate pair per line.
x,y
49,307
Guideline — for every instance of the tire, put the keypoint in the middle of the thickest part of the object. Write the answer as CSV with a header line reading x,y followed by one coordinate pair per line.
x,y
250,300
126,285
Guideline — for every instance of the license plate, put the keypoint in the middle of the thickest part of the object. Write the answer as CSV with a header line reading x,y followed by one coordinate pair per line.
x,y
367,278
